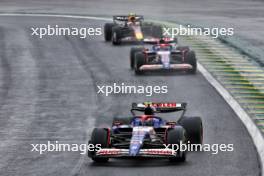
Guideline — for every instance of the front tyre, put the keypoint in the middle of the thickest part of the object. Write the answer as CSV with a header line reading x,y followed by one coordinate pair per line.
x,y
139,61
194,129
116,36
191,59
108,31
177,136
133,52
99,136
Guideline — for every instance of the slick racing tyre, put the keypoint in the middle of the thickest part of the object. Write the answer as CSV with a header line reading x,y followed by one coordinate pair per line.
x,y
99,136
133,52
190,58
108,31
174,136
139,61
194,129
116,35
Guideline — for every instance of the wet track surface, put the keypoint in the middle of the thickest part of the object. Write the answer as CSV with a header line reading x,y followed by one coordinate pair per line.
x,y
246,16
48,92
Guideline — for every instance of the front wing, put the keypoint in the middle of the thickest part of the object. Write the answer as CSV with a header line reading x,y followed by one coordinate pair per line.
x,y
118,153
161,67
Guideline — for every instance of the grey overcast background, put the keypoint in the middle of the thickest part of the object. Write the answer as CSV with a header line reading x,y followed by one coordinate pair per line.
x,y
48,88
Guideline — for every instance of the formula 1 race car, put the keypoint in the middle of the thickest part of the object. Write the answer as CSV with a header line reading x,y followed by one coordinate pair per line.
x,y
131,28
147,135
166,55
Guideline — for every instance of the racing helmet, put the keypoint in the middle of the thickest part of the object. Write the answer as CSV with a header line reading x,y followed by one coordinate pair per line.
x,y
163,45
132,17
149,110
162,41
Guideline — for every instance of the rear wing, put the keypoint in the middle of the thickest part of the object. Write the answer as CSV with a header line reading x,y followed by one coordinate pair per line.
x,y
125,18
160,107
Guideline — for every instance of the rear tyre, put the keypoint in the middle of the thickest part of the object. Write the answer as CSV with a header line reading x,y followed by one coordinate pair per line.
x,y
133,52
194,129
191,59
116,35
108,31
99,136
175,136
139,61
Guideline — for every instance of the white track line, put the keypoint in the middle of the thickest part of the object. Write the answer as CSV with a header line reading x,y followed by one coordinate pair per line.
x,y
247,121
55,16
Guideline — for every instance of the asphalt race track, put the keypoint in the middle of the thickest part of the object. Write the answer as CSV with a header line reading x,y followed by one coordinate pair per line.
x,y
48,92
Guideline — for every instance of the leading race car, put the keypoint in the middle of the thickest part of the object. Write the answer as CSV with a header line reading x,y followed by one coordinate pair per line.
x,y
147,135
166,55
131,28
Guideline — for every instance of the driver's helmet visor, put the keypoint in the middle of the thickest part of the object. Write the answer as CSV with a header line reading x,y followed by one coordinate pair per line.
x,y
131,18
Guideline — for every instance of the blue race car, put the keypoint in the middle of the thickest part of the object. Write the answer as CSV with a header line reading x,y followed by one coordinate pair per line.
x,y
147,135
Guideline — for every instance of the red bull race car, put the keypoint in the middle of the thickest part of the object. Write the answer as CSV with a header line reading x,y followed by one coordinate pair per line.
x,y
147,134
165,55
131,28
